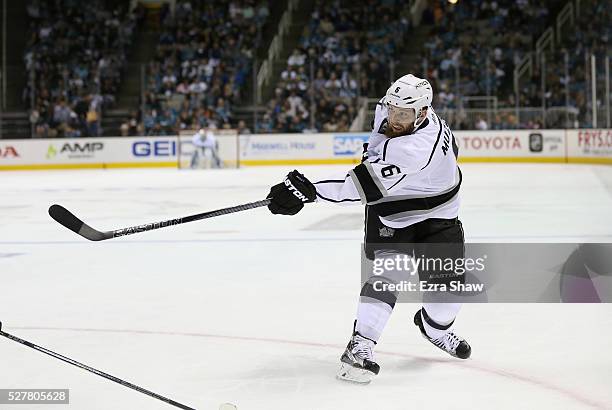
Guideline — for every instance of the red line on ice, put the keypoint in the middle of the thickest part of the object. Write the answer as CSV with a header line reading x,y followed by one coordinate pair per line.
x,y
463,363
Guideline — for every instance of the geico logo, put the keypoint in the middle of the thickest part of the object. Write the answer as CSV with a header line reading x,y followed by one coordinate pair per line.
x,y
8,151
163,148
295,191
87,147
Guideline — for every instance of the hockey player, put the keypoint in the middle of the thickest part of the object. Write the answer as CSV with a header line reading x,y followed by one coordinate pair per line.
x,y
205,144
409,181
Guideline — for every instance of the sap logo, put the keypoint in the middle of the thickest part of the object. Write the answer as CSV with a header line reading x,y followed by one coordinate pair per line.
x,y
163,148
8,151
349,144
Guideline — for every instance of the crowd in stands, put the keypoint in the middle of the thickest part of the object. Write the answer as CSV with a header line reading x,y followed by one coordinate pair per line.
x,y
202,64
74,60
473,46
344,52
590,36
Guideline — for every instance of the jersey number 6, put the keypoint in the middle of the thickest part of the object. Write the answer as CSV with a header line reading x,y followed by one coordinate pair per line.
x,y
389,170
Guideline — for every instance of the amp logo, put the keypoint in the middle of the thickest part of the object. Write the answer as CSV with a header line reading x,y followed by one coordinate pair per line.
x,y
349,145
75,150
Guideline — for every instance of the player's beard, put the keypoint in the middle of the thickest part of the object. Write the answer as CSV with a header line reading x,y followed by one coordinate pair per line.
x,y
396,130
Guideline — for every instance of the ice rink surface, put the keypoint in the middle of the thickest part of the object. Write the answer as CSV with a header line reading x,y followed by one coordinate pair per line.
x,y
256,309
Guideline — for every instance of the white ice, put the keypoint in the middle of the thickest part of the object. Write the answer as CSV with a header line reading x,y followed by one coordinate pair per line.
x,y
255,309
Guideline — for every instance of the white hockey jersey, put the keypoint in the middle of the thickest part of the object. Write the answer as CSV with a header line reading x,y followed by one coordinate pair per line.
x,y
204,139
405,179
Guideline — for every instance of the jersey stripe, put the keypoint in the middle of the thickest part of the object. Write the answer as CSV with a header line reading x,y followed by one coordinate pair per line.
x,y
385,149
386,209
338,200
383,124
400,180
436,144
330,181
423,125
368,189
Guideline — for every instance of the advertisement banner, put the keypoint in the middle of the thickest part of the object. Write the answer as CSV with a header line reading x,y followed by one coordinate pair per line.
x,y
283,146
589,145
55,153
11,152
322,148
515,145
346,148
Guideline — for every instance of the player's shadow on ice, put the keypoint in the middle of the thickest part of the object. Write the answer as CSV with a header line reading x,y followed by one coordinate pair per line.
x,y
414,364
293,369
296,371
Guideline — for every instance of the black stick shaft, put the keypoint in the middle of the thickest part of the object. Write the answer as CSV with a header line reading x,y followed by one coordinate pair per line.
x,y
191,218
95,371
70,221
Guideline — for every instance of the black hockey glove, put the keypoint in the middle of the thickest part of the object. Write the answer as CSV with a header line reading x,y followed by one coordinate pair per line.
x,y
289,197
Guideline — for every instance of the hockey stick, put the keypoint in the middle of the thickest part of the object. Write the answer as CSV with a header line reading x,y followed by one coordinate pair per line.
x,y
94,371
70,221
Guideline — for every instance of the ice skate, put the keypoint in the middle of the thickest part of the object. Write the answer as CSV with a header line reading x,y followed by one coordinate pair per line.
x,y
358,363
449,342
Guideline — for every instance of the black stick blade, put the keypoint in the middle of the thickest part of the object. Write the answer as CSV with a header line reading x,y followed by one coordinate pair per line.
x,y
70,221
65,217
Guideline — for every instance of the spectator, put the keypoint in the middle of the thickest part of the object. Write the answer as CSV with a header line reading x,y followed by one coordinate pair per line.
x,y
75,51
61,113
340,38
481,124
203,59
297,58
242,128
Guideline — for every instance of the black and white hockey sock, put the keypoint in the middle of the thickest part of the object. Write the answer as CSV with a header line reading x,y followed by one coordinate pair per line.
x,y
438,318
373,311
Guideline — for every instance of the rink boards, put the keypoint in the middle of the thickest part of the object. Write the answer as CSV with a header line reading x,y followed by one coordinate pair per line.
x,y
592,146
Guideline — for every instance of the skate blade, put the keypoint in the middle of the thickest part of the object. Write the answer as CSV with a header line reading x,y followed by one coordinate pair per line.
x,y
354,374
